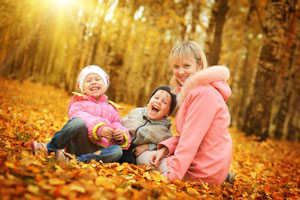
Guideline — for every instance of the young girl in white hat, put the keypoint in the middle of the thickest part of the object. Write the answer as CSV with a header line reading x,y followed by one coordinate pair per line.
x,y
94,123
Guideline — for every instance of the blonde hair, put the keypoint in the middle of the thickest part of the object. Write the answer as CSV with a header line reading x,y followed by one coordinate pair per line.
x,y
188,49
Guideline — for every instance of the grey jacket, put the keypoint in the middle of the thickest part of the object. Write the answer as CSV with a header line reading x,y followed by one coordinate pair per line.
x,y
144,130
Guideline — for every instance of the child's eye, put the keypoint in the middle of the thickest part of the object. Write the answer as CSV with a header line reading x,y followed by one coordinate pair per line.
x,y
175,67
165,102
88,80
186,66
97,79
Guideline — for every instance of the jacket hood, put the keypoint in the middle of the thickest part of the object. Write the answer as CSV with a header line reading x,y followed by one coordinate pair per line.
x,y
215,76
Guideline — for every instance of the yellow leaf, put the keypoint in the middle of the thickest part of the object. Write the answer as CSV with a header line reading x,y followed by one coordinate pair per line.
x,y
78,188
164,179
147,176
129,176
33,189
120,168
192,191
58,168
253,174
105,183
10,165
101,181
56,181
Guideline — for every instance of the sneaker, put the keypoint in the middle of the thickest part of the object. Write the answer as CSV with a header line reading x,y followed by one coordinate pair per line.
x,y
38,147
61,156
230,178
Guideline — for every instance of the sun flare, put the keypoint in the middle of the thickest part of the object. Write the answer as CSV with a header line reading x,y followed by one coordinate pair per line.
x,y
64,3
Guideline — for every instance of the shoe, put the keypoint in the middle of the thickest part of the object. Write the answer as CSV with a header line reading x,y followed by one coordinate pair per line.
x,y
230,178
38,147
61,156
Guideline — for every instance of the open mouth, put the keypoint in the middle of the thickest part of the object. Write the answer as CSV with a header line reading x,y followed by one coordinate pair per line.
x,y
95,88
155,108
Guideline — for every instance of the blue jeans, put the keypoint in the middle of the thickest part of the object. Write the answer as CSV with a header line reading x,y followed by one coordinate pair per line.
x,y
110,154
74,137
128,156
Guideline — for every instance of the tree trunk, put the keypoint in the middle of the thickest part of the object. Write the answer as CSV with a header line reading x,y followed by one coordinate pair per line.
x,y
291,126
284,85
260,108
214,32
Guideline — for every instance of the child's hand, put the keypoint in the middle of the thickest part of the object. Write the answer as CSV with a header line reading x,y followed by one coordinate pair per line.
x,y
107,132
140,149
157,156
118,135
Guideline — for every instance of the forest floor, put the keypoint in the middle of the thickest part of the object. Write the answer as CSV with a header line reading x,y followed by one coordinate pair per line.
x,y
32,111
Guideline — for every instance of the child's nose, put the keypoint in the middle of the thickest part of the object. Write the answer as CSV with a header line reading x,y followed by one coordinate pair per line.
x,y
181,70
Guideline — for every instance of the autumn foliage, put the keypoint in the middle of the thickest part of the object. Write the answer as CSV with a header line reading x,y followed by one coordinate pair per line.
x,y
32,111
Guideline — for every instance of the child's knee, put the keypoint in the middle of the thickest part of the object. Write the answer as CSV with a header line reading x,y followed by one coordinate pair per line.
x,y
117,152
144,158
77,123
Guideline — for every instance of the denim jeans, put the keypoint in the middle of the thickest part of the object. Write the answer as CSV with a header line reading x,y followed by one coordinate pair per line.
x,y
74,137
128,156
110,154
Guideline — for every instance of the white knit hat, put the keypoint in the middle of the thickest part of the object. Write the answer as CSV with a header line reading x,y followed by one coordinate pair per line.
x,y
92,69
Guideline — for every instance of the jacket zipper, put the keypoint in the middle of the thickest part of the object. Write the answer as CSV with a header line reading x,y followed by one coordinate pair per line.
x,y
147,120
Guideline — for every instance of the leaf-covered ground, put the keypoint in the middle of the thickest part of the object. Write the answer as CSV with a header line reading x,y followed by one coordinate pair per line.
x,y
32,111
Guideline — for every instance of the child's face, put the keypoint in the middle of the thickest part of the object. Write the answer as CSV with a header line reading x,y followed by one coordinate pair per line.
x,y
159,105
93,85
182,69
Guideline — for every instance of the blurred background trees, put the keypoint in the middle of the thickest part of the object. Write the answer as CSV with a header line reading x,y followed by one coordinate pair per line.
x,y
49,41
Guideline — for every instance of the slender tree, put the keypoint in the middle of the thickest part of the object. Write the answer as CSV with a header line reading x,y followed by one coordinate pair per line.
x,y
214,32
291,126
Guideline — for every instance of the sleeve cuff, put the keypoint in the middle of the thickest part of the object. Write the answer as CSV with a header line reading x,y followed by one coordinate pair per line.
x,y
125,143
96,132
159,146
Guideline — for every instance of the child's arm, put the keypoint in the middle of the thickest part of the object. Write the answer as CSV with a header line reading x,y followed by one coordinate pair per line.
x,y
140,149
153,133
95,124
144,147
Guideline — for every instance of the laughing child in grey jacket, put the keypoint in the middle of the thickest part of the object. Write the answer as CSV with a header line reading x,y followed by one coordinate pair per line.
x,y
149,125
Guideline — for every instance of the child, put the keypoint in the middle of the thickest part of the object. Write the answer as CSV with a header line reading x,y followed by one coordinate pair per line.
x,y
149,125
94,123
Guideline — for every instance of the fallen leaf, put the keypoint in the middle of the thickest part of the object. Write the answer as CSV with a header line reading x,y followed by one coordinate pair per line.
x,y
33,189
56,181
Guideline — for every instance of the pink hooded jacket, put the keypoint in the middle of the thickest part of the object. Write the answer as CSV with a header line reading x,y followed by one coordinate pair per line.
x,y
96,115
203,148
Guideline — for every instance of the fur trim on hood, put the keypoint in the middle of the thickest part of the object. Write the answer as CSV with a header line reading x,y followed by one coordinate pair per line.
x,y
218,74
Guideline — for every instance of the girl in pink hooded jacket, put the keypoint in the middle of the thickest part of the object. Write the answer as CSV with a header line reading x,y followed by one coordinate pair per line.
x,y
203,147
94,123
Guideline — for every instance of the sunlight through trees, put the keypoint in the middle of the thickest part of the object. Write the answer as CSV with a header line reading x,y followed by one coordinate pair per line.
x,y
50,41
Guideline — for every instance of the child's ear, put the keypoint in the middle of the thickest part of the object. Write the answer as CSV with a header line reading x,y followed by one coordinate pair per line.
x,y
199,64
